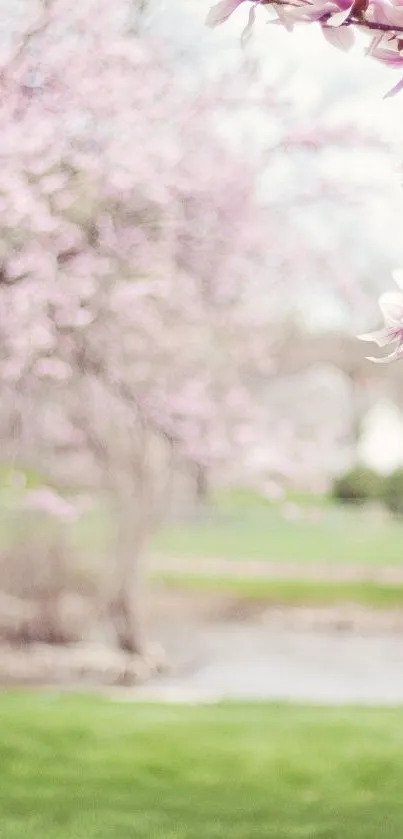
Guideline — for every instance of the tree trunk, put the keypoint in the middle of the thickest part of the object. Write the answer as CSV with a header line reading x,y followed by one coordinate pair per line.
x,y
126,603
127,622
201,485
359,405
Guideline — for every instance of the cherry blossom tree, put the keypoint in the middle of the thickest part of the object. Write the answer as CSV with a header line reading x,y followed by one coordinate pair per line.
x,y
121,302
134,263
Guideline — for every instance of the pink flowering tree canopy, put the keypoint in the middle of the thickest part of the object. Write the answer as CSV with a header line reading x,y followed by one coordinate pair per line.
x,y
339,20
137,260
131,229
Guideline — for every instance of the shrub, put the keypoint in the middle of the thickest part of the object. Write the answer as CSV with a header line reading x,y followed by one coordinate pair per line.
x,y
393,492
19,477
357,486
45,595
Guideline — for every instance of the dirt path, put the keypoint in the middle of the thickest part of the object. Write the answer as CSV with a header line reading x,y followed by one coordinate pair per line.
x,y
255,569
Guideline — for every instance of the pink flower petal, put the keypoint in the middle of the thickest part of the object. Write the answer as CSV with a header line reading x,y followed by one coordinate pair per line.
x,y
339,17
247,32
340,37
394,90
387,56
386,359
381,338
222,11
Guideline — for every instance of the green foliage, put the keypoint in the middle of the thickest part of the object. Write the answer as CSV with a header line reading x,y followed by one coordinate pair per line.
x,y
357,486
289,592
327,533
19,477
239,499
333,534
80,768
393,492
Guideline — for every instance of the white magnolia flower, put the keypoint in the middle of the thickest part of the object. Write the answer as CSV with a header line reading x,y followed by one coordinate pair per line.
x,y
391,305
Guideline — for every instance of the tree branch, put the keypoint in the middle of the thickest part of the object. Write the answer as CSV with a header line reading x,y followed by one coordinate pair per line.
x,y
356,18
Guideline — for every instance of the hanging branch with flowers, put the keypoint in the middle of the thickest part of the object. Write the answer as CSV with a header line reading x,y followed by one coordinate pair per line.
x,y
339,21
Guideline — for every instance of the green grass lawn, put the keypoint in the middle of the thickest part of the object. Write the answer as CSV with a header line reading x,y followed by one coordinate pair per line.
x,y
290,592
243,525
80,768
338,536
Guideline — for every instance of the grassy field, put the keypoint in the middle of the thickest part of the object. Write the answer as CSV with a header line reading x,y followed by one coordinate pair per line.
x,y
80,768
290,592
337,535
243,525
324,534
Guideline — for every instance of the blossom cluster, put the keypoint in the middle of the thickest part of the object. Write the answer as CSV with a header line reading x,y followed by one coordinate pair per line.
x,y
391,305
339,21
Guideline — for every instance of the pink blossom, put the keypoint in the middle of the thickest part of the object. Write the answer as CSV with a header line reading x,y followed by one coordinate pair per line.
x,y
134,248
391,305
47,500
339,19
222,11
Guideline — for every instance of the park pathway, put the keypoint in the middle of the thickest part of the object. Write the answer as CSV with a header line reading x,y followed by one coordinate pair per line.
x,y
256,662
341,655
